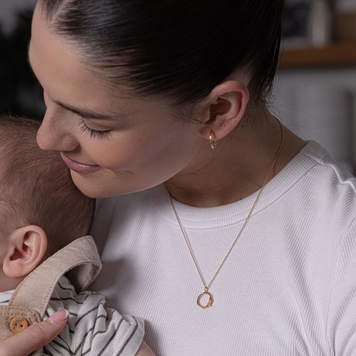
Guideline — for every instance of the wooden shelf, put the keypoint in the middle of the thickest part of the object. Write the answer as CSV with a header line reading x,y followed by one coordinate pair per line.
x,y
335,55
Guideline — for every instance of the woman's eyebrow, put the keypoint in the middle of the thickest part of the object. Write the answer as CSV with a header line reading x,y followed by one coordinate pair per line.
x,y
85,113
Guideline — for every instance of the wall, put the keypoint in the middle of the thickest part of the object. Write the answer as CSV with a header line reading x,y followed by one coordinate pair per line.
x,y
319,104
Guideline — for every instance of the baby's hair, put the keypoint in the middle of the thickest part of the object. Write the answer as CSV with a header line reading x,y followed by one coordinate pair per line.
x,y
36,187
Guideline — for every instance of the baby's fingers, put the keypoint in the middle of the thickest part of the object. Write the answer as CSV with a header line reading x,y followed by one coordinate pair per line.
x,y
34,337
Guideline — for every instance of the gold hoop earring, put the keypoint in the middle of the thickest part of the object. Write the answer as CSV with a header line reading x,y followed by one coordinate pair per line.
x,y
212,139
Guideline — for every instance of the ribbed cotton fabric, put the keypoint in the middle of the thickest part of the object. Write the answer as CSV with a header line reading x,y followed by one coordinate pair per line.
x,y
288,287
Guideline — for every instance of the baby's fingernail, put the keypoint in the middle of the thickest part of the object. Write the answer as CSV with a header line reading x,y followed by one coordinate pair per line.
x,y
58,316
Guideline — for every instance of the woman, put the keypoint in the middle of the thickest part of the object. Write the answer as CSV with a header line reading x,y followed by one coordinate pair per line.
x,y
227,233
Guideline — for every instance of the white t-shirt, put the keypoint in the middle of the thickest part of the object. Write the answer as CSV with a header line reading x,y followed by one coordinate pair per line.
x,y
288,287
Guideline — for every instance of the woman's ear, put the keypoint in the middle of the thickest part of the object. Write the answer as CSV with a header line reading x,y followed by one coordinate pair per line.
x,y
27,247
224,108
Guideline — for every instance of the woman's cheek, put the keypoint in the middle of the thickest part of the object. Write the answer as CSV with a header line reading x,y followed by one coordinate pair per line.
x,y
116,155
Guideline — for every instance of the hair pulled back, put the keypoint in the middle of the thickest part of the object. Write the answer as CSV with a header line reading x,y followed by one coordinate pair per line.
x,y
178,49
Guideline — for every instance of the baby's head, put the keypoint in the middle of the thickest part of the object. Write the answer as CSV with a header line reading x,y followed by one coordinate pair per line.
x,y
41,210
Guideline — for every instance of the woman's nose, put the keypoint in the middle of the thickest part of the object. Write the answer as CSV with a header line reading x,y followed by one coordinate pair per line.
x,y
53,135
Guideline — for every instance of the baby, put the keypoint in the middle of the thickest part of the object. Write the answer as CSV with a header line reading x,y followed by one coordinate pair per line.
x,y
43,222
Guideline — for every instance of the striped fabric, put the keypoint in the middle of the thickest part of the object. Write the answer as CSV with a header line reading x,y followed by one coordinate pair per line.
x,y
91,328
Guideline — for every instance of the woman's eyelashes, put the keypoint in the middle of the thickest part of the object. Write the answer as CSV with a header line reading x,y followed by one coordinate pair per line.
x,y
93,133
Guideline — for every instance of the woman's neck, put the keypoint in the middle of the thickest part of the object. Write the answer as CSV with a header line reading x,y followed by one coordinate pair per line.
x,y
239,164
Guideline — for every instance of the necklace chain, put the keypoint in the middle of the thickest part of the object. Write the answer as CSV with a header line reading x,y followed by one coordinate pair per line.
x,y
207,286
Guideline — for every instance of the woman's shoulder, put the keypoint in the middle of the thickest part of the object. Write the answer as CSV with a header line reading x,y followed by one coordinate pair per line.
x,y
326,169
328,186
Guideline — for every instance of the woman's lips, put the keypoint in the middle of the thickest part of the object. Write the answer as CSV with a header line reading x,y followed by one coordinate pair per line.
x,y
79,167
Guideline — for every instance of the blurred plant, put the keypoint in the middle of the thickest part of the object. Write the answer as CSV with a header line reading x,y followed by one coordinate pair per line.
x,y
20,93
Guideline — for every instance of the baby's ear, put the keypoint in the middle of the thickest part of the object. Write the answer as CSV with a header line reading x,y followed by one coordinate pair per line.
x,y
27,246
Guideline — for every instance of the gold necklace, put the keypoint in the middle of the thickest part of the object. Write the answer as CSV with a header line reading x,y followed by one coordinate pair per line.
x,y
207,286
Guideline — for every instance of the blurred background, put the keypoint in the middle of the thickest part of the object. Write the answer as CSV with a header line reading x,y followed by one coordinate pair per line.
x,y
20,93
315,88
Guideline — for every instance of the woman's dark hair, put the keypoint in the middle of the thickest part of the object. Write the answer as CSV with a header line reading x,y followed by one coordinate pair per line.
x,y
180,49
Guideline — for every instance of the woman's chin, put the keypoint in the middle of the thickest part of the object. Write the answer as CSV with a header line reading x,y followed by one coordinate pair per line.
x,y
102,184
90,186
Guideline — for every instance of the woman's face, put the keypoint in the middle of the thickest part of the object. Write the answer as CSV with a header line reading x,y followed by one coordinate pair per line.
x,y
112,144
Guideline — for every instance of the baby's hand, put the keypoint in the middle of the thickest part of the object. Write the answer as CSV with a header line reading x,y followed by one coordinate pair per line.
x,y
34,337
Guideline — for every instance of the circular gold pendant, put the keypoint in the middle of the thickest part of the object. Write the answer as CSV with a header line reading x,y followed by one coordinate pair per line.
x,y
210,301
